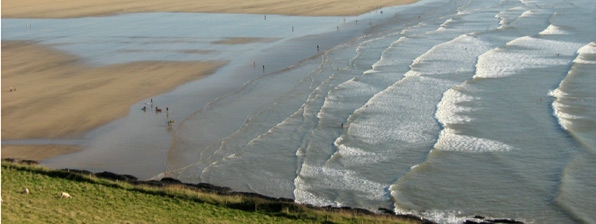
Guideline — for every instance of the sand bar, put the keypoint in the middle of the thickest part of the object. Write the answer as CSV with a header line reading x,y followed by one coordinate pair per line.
x,y
57,95
82,8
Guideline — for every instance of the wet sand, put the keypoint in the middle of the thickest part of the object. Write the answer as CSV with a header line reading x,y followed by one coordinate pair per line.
x,y
59,96
244,40
81,8
36,152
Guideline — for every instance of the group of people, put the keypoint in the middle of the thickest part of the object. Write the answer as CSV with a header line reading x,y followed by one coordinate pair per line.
x,y
159,110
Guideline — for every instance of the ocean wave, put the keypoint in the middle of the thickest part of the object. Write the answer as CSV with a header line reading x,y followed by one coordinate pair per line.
x,y
451,141
529,13
316,179
523,53
448,112
553,30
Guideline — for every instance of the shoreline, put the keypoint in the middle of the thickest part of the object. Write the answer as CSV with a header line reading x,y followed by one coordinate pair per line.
x,y
55,69
57,95
46,81
86,8
37,152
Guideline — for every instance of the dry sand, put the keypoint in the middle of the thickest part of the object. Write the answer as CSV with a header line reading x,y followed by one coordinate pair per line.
x,y
80,8
59,96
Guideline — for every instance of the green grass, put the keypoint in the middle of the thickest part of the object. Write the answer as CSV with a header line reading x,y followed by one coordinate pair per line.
x,y
96,200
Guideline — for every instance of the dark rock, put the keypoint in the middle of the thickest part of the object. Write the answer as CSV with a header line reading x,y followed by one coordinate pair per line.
x,y
10,160
506,221
212,188
152,183
84,172
29,162
166,181
471,222
114,176
386,211
492,221
130,177
170,180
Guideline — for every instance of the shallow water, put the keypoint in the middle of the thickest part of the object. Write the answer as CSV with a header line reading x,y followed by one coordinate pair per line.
x,y
445,109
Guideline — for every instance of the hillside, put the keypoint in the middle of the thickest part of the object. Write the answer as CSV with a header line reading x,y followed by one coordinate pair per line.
x,y
100,200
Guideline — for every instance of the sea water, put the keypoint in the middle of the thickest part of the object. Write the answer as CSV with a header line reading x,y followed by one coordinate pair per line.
x,y
444,108
464,108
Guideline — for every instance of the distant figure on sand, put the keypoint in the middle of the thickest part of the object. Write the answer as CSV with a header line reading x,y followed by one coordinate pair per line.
x,y
342,125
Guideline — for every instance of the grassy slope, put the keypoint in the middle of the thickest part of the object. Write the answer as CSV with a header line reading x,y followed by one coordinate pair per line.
x,y
96,200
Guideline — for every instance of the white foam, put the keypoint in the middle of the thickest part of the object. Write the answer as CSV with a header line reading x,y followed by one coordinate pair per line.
x,y
357,156
461,51
580,60
536,53
589,49
447,217
565,119
413,73
445,24
528,13
502,21
303,196
451,141
331,178
447,109
557,93
553,30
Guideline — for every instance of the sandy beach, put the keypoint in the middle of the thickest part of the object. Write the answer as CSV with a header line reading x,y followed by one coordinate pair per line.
x,y
81,8
57,95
